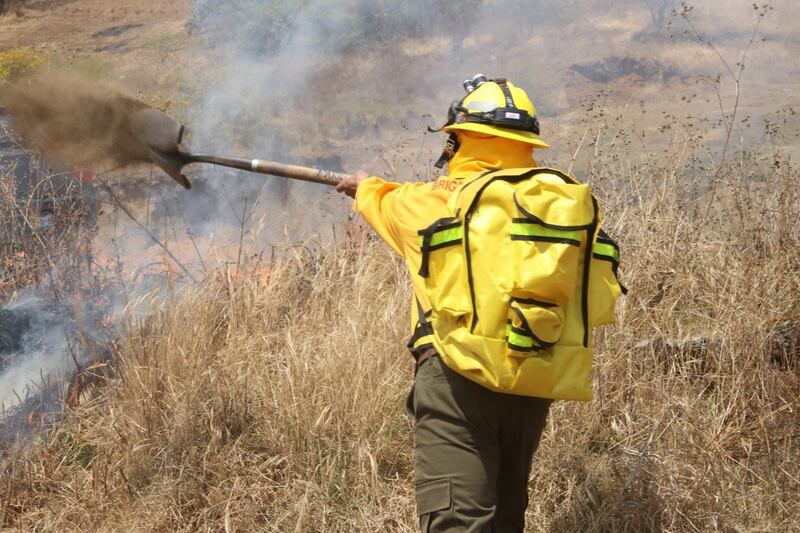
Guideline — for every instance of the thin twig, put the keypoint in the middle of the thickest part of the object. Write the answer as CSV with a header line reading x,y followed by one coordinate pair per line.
x,y
241,237
728,122
149,234
388,164
578,149
45,250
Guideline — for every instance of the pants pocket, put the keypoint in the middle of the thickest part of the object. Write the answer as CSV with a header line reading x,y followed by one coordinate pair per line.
x,y
434,499
410,407
533,325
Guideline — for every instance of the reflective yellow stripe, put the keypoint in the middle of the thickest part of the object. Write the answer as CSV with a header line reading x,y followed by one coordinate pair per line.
x,y
608,250
444,236
535,230
427,339
523,341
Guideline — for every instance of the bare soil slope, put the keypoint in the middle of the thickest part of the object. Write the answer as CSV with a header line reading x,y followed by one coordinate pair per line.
x,y
136,38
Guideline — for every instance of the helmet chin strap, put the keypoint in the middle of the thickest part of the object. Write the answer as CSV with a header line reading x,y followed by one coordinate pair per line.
x,y
452,114
452,143
450,149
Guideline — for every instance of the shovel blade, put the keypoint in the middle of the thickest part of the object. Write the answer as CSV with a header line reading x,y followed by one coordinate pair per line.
x,y
157,130
172,164
162,136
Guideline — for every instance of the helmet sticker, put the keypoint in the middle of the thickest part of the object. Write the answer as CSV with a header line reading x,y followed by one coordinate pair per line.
x,y
481,106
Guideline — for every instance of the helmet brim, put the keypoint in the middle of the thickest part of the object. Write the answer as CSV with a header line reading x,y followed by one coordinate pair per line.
x,y
514,135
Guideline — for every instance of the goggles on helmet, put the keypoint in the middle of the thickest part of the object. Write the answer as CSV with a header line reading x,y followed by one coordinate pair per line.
x,y
503,117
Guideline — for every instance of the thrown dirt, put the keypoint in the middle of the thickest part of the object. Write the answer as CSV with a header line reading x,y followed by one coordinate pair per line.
x,y
74,120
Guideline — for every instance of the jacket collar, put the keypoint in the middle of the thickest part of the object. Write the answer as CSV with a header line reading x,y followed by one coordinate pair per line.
x,y
477,154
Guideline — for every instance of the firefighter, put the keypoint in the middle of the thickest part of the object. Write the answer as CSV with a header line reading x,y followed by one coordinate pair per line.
x,y
474,446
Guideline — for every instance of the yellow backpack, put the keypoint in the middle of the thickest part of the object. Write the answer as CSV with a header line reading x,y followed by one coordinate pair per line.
x,y
517,278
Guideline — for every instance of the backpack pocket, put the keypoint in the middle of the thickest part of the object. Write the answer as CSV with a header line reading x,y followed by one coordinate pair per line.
x,y
604,285
444,267
546,260
553,222
533,325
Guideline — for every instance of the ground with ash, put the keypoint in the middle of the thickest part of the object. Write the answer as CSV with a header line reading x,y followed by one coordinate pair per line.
x,y
13,326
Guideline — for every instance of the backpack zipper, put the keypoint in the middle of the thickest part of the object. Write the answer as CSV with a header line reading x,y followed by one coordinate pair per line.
x,y
587,263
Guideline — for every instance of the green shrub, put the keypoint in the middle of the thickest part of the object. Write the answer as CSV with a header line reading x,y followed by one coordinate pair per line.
x,y
17,61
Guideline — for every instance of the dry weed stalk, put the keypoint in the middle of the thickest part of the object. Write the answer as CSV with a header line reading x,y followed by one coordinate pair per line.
x,y
43,230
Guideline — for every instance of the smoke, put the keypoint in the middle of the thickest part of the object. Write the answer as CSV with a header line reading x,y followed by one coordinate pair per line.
x,y
296,82
318,83
74,120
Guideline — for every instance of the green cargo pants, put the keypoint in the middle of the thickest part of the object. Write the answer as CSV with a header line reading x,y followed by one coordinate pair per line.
x,y
473,452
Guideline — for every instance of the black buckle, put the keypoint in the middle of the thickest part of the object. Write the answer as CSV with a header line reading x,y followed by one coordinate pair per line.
x,y
450,149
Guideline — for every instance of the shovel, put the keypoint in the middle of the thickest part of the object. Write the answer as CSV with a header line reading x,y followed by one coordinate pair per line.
x,y
161,137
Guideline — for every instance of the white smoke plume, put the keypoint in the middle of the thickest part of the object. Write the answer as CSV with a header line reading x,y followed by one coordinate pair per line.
x,y
329,82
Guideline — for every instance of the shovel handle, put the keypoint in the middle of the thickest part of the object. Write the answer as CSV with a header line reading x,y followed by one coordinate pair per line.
x,y
326,177
262,166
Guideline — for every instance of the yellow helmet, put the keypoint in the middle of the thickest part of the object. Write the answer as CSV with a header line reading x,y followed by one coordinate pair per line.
x,y
496,107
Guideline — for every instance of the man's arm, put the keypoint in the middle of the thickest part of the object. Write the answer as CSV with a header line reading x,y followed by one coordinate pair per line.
x,y
374,200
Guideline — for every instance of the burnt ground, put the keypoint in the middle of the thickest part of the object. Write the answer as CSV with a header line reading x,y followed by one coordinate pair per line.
x,y
47,186
13,325
615,67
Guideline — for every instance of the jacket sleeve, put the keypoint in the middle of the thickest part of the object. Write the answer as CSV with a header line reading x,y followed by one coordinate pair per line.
x,y
375,201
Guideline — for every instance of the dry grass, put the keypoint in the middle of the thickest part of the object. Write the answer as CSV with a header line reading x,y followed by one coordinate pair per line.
x,y
273,400
244,403
45,232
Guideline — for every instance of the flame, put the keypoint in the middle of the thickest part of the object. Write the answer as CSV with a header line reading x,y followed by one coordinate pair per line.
x,y
75,391
85,176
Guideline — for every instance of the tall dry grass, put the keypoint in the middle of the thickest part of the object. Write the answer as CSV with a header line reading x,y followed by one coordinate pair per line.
x,y
273,400
46,225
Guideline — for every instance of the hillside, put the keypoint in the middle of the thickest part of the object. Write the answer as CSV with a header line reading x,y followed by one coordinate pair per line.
x,y
240,347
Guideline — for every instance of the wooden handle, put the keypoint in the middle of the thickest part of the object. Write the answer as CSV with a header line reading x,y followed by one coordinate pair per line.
x,y
326,177
262,166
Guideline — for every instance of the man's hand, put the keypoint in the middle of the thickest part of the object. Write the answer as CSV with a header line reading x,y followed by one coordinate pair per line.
x,y
349,185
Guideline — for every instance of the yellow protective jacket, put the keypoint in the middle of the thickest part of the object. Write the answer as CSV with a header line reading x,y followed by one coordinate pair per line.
x,y
397,212
522,265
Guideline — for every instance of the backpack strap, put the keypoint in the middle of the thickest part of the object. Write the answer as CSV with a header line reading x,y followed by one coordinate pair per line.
x,y
422,339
